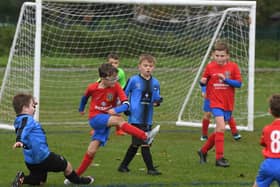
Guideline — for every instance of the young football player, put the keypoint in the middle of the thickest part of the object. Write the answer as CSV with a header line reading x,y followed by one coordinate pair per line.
x,y
143,91
38,158
105,113
270,167
221,76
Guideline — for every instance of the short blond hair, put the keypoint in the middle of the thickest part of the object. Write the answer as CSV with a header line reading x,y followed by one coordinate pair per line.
x,y
147,57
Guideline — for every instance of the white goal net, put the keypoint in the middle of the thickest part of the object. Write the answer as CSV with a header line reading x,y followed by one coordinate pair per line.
x,y
57,49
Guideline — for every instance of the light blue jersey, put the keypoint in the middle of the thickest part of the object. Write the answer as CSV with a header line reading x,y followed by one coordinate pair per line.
x,y
32,135
142,95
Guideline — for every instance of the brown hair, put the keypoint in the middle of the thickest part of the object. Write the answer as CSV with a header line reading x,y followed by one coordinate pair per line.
x,y
113,56
221,46
106,70
274,105
21,100
147,57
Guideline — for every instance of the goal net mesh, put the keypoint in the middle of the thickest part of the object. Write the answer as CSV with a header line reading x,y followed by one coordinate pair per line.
x,y
77,37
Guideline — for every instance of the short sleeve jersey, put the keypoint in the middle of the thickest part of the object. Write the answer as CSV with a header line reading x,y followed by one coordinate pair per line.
x,y
103,99
270,139
221,95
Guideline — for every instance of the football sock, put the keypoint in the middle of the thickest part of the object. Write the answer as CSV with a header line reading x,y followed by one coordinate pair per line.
x,y
73,177
147,157
232,125
84,165
131,152
134,131
219,143
31,180
205,124
209,143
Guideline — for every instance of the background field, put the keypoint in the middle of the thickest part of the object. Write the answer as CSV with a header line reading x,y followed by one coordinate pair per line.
x,y
174,152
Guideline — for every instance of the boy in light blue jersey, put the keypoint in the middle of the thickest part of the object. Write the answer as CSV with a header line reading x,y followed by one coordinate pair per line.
x,y
37,156
143,91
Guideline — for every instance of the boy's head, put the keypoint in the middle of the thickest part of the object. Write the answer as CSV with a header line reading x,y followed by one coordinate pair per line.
x,y
220,52
108,74
113,59
146,65
24,103
274,105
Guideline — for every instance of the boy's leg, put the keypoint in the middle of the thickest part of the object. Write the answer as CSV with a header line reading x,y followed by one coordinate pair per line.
x,y
147,157
220,140
206,147
234,131
204,129
75,179
88,157
131,152
119,131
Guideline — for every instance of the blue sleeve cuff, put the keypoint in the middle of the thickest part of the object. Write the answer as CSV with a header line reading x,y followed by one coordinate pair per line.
x,y
122,108
83,103
233,83
203,89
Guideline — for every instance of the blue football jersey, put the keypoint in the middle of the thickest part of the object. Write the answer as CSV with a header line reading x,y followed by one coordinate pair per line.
x,y
142,95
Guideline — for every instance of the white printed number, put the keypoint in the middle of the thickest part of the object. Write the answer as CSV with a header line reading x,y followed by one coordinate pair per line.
x,y
275,141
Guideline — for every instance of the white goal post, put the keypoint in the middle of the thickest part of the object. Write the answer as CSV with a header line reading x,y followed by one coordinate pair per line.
x,y
59,44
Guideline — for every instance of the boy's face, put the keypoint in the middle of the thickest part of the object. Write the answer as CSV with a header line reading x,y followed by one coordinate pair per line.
x,y
146,68
31,108
114,62
110,81
221,57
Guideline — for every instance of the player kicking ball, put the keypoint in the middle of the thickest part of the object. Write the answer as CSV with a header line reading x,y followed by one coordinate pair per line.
x,y
104,113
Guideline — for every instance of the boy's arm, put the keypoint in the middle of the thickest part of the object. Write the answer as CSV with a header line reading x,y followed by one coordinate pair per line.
x,y
83,103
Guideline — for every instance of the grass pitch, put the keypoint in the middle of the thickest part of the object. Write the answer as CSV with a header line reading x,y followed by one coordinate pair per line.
x,y
174,152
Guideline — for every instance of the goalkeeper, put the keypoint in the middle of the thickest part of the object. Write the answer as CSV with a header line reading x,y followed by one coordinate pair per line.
x,y
221,76
143,91
38,158
207,116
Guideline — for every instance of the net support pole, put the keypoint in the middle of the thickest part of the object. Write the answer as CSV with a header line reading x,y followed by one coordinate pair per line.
x,y
251,74
37,56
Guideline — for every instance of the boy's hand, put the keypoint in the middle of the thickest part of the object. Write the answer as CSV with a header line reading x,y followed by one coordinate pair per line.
x,y
18,145
221,76
82,113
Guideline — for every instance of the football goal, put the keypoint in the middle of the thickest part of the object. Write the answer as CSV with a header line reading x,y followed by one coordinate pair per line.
x,y
59,44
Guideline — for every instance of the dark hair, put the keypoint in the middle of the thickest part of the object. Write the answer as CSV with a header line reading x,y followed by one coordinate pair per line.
x,y
147,57
113,56
221,46
21,100
274,105
106,70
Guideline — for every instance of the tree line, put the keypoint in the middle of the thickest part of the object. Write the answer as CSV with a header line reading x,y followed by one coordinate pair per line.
x,y
268,11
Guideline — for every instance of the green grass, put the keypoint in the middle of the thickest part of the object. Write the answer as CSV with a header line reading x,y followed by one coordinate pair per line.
x,y
174,151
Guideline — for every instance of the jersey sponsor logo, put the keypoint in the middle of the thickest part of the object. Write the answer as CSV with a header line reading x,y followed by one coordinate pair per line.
x,y
103,108
220,86
109,97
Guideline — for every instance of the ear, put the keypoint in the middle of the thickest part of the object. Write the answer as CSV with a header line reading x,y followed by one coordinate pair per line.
x,y
269,110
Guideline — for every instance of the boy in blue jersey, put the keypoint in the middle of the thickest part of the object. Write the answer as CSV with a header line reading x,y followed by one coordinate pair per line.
x,y
38,158
143,91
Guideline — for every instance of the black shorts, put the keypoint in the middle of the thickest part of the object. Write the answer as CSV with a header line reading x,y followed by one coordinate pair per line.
x,y
137,141
53,163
